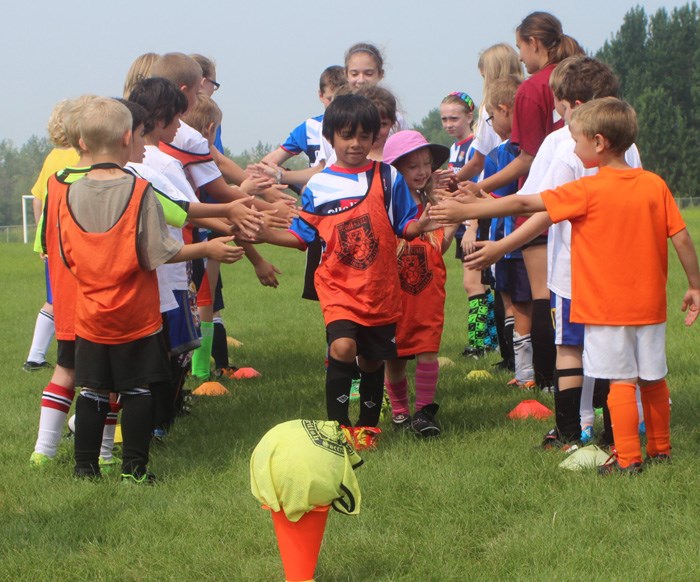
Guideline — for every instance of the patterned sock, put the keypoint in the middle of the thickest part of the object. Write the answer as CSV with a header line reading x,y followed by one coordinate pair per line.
x,y
625,419
202,355
338,380
43,334
426,383
55,404
522,351
544,353
491,340
91,409
398,395
109,430
219,346
371,396
477,321
137,427
657,415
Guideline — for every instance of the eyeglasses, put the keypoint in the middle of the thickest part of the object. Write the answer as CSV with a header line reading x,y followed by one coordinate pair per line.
x,y
216,85
489,121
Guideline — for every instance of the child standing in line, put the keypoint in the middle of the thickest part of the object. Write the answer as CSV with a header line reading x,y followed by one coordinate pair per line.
x,y
422,275
356,207
112,236
620,220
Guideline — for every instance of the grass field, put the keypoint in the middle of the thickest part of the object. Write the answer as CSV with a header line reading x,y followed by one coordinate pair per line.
x,y
479,503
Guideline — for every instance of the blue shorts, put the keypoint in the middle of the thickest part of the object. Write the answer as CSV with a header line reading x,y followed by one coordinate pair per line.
x,y
183,334
49,295
565,332
511,278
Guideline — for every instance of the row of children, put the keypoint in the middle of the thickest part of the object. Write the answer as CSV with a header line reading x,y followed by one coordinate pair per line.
x,y
368,186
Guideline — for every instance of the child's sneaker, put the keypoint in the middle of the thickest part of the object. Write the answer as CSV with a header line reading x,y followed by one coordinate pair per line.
x,y
401,421
476,353
424,421
552,440
362,437
39,460
159,434
139,478
90,473
611,466
29,366
107,466
658,459
587,434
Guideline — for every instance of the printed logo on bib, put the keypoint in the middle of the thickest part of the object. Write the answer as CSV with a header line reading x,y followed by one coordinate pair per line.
x,y
413,270
358,245
327,435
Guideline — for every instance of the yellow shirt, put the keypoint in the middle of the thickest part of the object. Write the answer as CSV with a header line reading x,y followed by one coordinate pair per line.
x,y
57,159
302,464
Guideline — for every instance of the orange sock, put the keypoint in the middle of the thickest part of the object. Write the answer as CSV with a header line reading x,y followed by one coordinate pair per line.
x,y
622,402
657,417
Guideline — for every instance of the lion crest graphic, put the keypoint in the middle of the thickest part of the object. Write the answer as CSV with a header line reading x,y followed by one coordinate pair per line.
x,y
413,270
358,245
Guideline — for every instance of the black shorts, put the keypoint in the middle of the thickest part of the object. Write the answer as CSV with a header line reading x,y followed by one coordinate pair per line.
x,y
511,278
121,367
373,343
313,258
540,239
481,234
65,354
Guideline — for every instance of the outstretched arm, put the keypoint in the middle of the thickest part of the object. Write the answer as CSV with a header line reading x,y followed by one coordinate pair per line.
x,y
449,211
689,260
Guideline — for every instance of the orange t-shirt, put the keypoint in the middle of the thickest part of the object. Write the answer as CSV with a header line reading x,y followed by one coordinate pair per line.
x,y
620,222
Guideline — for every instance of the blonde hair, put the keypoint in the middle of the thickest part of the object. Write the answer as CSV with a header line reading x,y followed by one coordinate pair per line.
x,y
178,68
610,117
103,123
139,69
502,91
56,126
208,65
203,113
559,72
71,119
495,62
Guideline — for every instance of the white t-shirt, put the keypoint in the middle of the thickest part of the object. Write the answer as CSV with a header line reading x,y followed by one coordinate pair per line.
x,y
565,166
485,137
174,275
190,140
540,165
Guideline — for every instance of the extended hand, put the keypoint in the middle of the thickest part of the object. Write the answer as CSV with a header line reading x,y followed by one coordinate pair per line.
x,y
218,249
266,274
691,304
486,254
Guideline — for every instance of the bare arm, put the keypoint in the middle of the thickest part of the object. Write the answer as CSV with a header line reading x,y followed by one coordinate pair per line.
x,y
517,168
231,170
264,270
277,157
450,211
217,250
472,168
689,260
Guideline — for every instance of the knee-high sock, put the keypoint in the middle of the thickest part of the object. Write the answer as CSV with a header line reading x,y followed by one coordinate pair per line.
x,y
586,409
477,320
43,334
202,355
109,430
522,351
426,383
544,353
567,404
219,346
91,409
137,427
507,347
371,396
398,396
601,390
625,419
55,404
338,380
491,340
657,416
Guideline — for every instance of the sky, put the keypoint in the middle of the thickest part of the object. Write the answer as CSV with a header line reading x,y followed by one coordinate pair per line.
x,y
269,53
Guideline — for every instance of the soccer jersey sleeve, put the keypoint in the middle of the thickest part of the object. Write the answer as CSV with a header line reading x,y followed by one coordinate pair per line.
x,y
155,246
402,209
296,141
567,202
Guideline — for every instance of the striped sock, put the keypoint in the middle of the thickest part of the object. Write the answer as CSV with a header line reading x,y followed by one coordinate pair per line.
x,y
657,416
426,383
398,395
55,404
109,430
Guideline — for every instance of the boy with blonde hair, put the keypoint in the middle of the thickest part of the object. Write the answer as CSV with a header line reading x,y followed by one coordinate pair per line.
x,y
112,236
620,221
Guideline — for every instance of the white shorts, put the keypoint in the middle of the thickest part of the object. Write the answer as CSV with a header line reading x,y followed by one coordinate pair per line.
x,y
617,352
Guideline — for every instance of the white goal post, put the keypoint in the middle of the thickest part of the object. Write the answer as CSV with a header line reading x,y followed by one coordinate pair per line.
x,y
25,224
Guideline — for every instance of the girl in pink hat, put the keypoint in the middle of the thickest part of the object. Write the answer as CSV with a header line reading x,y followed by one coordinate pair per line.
x,y
422,274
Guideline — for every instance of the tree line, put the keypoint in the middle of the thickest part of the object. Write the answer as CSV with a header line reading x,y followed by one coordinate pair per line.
x,y
657,58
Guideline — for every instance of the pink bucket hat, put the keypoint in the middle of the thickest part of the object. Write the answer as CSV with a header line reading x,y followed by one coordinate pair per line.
x,y
407,141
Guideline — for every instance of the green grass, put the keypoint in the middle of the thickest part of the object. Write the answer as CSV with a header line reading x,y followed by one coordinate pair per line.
x,y
479,503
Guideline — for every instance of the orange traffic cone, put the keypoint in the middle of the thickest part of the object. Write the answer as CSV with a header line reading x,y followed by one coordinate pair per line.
x,y
300,542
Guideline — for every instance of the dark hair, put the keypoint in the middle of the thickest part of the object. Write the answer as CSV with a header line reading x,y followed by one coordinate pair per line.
x,y
333,77
350,112
139,115
586,79
161,98
546,28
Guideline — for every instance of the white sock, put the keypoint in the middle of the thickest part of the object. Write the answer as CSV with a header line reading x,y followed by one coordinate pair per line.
x,y
586,409
109,430
43,334
55,404
522,348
